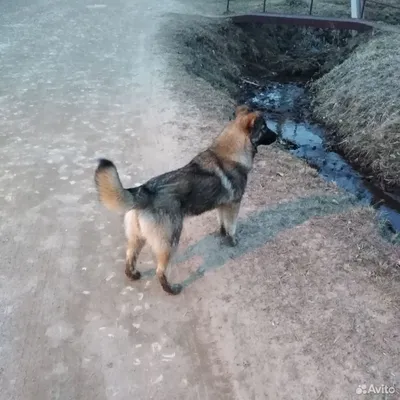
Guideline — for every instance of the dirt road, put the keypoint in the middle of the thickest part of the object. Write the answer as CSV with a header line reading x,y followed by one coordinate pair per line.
x,y
306,307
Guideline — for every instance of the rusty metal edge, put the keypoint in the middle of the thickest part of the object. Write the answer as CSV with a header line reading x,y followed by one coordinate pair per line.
x,y
304,20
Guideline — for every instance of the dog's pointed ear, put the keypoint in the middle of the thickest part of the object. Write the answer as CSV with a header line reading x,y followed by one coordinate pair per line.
x,y
242,110
247,121
251,120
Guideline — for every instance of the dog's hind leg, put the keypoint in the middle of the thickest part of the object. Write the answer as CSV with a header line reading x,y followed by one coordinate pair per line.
x,y
163,259
229,214
135,245
162,233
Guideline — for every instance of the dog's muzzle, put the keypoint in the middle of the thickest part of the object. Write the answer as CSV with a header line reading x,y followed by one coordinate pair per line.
x,y
268,137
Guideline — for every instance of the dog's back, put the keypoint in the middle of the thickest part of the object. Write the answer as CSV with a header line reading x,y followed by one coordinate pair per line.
x,y
214,177
202,185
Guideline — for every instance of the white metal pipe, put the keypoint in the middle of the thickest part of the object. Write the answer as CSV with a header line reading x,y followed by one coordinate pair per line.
x,y
356,9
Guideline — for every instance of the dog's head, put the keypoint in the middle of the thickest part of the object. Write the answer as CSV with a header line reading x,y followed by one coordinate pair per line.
x,y
254,124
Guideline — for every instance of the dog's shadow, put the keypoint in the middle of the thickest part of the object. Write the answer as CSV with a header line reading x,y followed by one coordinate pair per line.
x,y
256,230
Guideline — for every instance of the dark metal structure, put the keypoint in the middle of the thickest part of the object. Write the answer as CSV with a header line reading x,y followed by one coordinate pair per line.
x,y
305,20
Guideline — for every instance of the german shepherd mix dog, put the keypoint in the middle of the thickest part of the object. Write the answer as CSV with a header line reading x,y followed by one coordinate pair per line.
x,y
215,179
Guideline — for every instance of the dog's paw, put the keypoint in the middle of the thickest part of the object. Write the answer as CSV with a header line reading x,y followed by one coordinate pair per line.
x,y
230,241
173,289
134,276
170,289
176,289
220,232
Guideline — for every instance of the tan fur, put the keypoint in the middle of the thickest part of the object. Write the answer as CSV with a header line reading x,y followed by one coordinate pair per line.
x,y
163,258
135,243
242,109
234,143
228,214
110,190
141,230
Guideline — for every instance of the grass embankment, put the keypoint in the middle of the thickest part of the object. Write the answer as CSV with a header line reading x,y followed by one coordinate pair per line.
x,y
360,100
223,53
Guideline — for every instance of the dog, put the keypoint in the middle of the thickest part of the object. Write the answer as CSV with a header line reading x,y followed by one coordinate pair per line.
x,y
215,179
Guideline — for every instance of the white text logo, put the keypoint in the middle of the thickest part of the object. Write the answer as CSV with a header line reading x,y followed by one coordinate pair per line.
x,y
382,389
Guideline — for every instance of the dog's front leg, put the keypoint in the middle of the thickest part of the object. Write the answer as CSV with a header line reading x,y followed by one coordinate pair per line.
x,y
228,215
222,230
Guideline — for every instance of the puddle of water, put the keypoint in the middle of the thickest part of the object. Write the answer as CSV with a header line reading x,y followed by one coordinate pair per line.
x,y
283,105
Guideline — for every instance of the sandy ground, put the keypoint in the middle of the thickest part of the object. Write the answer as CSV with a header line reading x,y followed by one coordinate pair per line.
x,y
306,307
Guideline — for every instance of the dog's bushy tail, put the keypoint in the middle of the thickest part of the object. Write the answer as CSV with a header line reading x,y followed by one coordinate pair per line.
x,y
111,192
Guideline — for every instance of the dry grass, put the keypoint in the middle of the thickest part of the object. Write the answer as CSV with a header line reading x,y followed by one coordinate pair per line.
x,y
360,99
388,14
222,53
